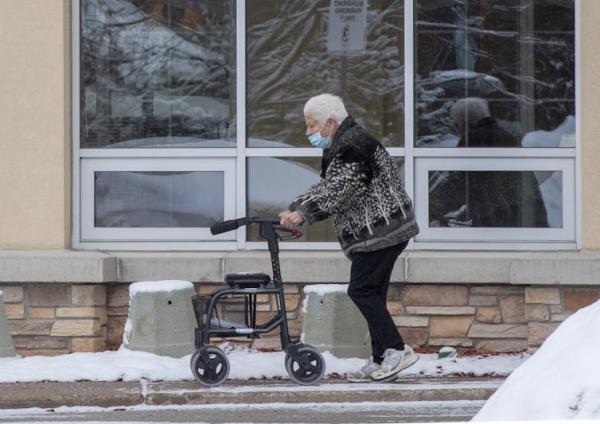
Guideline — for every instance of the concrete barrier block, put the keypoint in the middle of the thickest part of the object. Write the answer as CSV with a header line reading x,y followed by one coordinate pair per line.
x,y
161,319
7,348
333,323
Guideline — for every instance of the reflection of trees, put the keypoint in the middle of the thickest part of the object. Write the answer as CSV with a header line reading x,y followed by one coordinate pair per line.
x,y
288,62
529,46
140,52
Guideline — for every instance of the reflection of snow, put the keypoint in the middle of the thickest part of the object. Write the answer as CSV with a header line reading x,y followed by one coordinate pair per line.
x,y
147,199
562,136
191,106
551,191
148,69
164,106
446,140
551,186
264,193
148,45
458,218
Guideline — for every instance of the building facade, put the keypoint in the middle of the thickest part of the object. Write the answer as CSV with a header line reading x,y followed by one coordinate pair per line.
x,y
130,126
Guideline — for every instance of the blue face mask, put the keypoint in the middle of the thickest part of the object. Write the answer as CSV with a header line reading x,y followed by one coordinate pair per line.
x,y
317,140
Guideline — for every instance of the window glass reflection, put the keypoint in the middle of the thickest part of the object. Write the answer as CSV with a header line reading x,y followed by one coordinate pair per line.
x,y
517,199
158,199
272,185
157,73
297,49
517,55
274,182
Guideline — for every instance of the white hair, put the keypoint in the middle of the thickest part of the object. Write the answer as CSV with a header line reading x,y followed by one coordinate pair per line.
x,y
324,107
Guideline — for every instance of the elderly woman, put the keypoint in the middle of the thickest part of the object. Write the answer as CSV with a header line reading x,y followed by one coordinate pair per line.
x,y
361,190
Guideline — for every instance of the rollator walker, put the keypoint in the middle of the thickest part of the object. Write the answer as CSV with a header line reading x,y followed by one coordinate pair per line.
x,y
210,364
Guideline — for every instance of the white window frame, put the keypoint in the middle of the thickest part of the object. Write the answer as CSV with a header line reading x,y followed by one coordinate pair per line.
x,y
240,153
499,158
440,234
91,165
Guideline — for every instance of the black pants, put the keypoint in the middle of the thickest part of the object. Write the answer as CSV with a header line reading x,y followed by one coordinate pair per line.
x,y
369,281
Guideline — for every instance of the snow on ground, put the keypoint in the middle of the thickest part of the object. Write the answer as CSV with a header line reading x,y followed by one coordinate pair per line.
x,y
560,381
245,364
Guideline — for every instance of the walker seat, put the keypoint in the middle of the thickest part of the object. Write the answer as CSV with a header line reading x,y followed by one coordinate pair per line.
x,y
247,280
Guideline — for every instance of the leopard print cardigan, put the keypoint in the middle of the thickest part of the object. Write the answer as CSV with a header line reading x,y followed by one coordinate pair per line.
x,y
361,191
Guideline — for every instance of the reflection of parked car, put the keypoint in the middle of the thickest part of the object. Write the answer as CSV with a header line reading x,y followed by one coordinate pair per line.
x,y
158,199
455,83
192,143
181,199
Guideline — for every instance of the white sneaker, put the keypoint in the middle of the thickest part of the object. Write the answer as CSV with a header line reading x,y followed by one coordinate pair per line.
x,y
394,361
363,375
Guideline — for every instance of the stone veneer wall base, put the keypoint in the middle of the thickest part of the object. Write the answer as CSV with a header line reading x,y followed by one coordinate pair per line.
x,y
58,318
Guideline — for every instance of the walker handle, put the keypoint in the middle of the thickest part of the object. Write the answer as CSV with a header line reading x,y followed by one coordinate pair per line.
x,y
225,226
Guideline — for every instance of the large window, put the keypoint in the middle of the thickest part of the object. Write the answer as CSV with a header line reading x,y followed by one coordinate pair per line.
x,y
190,112
157,73
494,120
514,62
295,49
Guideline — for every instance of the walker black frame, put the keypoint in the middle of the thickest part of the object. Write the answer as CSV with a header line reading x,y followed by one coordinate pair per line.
x,y
269,230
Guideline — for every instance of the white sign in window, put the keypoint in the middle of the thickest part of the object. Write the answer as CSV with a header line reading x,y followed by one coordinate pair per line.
x,y
347,26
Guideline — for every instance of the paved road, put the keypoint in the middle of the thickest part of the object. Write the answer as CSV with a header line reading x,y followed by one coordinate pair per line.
x,y
355,412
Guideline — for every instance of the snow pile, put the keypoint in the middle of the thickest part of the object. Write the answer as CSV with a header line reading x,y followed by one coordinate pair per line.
x,y
245,364
562,379
323,289
159,286
128,365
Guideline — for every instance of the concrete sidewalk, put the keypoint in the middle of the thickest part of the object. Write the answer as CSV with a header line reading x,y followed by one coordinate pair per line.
x,y
143,392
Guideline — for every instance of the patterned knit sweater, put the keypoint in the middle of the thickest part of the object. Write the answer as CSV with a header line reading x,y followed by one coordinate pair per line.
x,y
361,190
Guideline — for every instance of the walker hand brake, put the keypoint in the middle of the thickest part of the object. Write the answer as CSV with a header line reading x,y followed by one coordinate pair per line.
x,y
293,234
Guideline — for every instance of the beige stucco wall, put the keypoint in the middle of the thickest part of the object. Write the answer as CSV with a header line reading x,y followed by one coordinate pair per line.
x,y
590,120
34,123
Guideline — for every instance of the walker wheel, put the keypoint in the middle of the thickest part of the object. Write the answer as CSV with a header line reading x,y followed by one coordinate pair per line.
x,y
210,365
310,367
